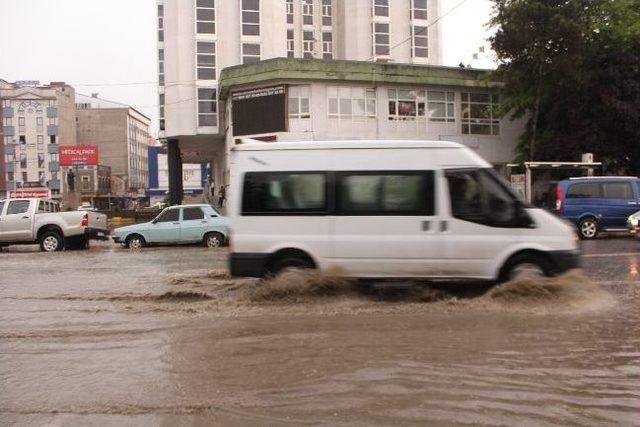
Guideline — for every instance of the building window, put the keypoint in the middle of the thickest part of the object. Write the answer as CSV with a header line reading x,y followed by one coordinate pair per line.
x,y
436,106
327,45
250,53
250,17
11,176
161,103
307,44
380,7
23,161
420,41
479,114
86,185
22,139
160,23
207,107
348,103
40,160
298,102
307,12
40,143
206,52
290,44
8,121
327,12
381,39
161,66
419,9
25,175
52,139
21,126
289,11
205,16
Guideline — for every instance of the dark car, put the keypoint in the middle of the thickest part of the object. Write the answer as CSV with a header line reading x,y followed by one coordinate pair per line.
x,y
597,204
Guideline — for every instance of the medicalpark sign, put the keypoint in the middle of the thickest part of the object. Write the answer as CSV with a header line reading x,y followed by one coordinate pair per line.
x,y
78,155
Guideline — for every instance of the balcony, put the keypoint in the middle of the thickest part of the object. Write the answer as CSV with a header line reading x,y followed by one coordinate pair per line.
x,y
9,131
11,167
52,149
52,130
7,112
54,166
10,149
52,112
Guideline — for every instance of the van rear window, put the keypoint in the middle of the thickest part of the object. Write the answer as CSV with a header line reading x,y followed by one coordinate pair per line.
x,y
284,193
586,190
617,190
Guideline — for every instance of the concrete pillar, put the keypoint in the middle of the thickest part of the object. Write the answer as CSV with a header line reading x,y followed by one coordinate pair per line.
x,y
174,161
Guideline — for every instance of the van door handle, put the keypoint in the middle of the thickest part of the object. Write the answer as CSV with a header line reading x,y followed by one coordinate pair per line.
x,y
426,225
25,217
444,226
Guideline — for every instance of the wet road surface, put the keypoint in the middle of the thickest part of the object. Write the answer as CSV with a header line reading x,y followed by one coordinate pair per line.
x,y
113,337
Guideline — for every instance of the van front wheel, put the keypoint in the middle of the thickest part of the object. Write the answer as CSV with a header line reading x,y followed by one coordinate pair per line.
x,y
526,265
588,228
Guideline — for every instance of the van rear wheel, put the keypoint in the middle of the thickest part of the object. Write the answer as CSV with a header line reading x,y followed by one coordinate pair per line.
x,y
588,228
289,263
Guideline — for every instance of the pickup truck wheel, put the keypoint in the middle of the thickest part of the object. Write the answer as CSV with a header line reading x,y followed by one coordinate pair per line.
x,y
135,242
51,242
213,240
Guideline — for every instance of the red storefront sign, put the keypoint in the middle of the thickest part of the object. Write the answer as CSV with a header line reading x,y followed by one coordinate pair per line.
x,y
30,193
78,155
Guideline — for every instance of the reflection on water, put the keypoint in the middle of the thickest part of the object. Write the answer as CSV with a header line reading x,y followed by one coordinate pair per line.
x,y
159,336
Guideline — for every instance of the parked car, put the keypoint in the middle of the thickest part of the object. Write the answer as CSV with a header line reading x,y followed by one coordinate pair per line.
x,y
596,204
633,224
29,221
177,225
86,207
387,209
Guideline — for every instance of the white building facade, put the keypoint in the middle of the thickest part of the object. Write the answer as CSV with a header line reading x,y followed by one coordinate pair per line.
x,y
340,69
36,119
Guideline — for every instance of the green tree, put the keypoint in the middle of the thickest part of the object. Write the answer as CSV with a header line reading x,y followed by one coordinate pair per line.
x,y
572,68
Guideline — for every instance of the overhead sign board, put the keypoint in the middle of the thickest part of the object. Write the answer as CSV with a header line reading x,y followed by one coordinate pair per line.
x,y
30,193
78,155
259,111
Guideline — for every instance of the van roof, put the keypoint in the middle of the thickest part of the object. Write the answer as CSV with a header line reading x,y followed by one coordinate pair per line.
x,y
578,178
255,145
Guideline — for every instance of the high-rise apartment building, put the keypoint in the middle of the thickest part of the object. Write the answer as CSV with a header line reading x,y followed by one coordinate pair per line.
x,y
279,70
36,119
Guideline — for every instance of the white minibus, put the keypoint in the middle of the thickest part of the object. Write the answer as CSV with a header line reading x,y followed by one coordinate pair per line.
x,y
386,209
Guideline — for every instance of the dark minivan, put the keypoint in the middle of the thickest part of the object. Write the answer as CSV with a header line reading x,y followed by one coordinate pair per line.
x,y
597,204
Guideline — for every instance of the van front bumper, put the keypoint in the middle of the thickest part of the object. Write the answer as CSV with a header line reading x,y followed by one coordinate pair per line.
x,y
565,260
247,264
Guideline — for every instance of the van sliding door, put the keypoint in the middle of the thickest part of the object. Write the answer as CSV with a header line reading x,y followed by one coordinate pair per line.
x,y
385,223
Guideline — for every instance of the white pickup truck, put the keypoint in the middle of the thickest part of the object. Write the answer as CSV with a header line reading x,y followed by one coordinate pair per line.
x,y
30,221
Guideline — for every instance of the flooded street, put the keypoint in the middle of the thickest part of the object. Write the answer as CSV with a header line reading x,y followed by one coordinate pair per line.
x,y
161,336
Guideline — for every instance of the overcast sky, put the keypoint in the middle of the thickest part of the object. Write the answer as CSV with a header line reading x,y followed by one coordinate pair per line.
x,y
109,46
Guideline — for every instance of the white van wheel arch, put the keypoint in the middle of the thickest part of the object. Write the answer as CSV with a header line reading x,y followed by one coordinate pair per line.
x,y
288,258
528,264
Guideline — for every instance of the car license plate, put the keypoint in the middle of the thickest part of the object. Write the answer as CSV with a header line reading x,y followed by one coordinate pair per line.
x,y
100,234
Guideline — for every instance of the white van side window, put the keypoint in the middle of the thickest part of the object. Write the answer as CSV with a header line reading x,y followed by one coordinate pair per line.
x,y
284,193
385,193
477,196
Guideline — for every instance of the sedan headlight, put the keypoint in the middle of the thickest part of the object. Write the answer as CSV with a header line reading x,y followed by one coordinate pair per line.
x,y
633,221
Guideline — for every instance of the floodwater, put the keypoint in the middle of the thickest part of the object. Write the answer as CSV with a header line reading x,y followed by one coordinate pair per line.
x,y
162,337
